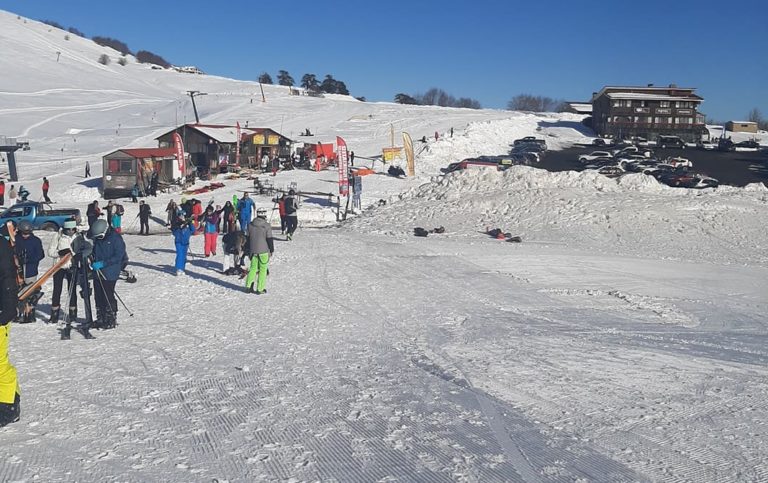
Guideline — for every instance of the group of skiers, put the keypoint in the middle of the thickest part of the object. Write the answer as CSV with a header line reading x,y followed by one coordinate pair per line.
x,y
244,234
22,194
101,257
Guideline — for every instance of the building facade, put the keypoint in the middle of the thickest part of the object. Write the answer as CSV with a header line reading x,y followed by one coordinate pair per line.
x,y
647,112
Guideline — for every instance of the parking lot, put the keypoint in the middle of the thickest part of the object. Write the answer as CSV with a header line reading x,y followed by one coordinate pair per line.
x,y
731,168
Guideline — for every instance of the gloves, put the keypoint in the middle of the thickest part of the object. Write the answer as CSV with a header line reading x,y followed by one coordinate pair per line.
x,y
97,265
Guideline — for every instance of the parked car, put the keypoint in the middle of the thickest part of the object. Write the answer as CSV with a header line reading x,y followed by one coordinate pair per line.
x,y
598,163
40,217
611,171
705,181
626,151
529,148
530,139
594,155
679,162
707,145
665,142
599,142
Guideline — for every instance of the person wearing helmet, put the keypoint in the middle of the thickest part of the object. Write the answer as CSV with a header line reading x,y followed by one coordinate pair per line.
x,y
60,246
108,260
10,404
23,194
291,213
260,249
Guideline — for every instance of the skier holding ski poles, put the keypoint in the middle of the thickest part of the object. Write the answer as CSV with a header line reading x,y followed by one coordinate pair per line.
x,y
109,258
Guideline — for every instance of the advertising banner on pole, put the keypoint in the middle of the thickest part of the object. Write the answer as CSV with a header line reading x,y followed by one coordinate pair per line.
x,y
343,160
179,145
409,158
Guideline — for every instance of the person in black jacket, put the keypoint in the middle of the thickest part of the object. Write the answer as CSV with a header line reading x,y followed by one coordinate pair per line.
x,y
144,212
291,215
10,404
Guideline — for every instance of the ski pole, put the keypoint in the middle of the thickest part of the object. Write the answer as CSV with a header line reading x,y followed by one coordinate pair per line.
x,y
101,276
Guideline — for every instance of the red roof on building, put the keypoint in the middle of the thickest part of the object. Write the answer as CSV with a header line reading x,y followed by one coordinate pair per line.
x,y
142,153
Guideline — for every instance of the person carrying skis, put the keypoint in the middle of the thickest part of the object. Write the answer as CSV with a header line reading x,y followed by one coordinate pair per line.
x,y
210,225
260,249
29,251
144,212
291,215
182,231
93,212
10,401
46,187
245,208
108,259
61,245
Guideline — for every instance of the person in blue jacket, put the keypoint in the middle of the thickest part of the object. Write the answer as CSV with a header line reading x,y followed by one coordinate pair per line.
x,y
29,251
182,231
245,208
109,258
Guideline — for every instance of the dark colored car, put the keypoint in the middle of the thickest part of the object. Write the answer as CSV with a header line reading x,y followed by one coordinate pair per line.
x,y
665,142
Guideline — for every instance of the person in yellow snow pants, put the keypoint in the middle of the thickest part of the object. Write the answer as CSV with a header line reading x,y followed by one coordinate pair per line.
x,y
10,407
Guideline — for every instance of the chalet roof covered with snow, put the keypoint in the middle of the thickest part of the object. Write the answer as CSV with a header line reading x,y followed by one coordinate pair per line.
x,y
651,97
142,153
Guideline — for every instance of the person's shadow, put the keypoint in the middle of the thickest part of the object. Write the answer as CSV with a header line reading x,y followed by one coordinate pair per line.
x,y
170,270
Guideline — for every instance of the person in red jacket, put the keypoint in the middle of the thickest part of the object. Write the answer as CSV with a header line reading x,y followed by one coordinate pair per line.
x,y
46,187
281,211
2,193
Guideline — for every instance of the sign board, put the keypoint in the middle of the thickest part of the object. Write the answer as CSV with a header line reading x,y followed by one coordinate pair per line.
x,y
258,139
391,153
273,140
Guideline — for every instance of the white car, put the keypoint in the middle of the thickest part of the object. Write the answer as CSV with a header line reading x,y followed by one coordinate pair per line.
x,y
679,162
708,145
594,155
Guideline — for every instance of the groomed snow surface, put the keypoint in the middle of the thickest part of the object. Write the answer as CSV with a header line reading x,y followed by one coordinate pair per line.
x,y
623,340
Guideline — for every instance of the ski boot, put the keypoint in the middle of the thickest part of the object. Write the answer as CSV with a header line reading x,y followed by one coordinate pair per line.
x,y
10,412
85,331
55,313
98,322
110,320
66,332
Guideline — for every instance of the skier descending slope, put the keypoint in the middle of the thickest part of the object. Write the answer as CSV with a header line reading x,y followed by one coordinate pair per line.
x,y
261,247
10,405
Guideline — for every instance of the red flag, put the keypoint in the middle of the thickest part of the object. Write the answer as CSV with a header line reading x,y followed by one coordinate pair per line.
x,y
341,148
237,145
179,145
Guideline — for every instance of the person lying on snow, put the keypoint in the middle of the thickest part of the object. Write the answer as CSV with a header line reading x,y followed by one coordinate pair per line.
x,y
499,234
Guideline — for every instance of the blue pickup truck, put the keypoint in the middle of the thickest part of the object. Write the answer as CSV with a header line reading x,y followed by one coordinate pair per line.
x,y
41,217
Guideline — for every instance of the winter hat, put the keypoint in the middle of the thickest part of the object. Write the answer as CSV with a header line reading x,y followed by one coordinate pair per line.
x,y
261,213
70,225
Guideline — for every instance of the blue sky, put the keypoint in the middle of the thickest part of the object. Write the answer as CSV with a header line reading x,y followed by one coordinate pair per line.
x,y
488,50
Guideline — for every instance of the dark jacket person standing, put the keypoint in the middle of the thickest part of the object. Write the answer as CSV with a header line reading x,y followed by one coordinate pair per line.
x,y
260,248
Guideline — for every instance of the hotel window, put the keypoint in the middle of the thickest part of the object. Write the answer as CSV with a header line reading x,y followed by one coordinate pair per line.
x,y
664,104
685,120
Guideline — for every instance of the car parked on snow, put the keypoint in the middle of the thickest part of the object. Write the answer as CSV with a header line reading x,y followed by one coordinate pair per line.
x,y
707,145
705,181
39,215
611,171
530,140
665,142
594,155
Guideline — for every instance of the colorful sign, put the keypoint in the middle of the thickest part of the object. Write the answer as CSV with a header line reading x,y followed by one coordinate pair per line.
x,y
343,158
391,154
273,140
258,139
